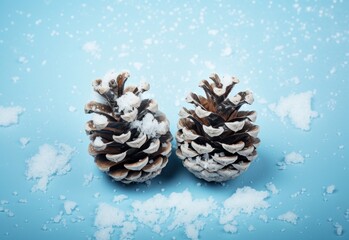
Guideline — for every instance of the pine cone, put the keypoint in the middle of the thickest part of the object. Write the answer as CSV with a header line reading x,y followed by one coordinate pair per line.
x,y
130,138
216,141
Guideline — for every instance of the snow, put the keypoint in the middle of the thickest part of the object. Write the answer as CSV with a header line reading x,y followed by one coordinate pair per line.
x,y
10,115
69,206
297,107
119,198
245,200
272,188
338,229
93,49
72,109
150,126
330,189
88,179
24,141
128,101
108,217
180,207
294,158
99,119
50,161
98,142
289,217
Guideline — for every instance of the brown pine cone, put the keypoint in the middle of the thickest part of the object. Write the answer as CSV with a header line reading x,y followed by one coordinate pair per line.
x,y
216,141
130,138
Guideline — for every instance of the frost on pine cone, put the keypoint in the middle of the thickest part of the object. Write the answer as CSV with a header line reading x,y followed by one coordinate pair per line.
x,y
216,141
130,138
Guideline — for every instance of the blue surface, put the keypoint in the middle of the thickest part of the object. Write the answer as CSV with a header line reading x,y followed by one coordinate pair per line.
x,y
272,43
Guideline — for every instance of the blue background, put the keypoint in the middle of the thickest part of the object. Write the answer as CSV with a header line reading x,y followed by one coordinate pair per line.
x,y
272,43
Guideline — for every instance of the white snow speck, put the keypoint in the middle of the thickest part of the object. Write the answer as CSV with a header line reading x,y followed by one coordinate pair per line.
x,y
48,162
294,158
330,189
88,179
69,206
289,217
209,65
99,119
227,51
338,229
9,115
272,188
119,198
93,49
150,126
297,107
72,109
128,101
245,200
24,141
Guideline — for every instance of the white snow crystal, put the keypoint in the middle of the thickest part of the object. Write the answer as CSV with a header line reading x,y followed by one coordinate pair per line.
x,y
99,119
272,188
88,179
150,126
119,198
69,206
330,189
128,101
72,109
339,229
9,115
289,217
98,142
227,51
245,200
297,107
93,49
48,162
294,158
24,141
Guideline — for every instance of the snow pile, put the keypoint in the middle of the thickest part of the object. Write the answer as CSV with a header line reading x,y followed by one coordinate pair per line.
x,y
297,107
69,206
108,217
272,188
48,162
294,158
93,49
184,210
338,229
119,198
289,217
9,115
150,126
128,101
24,141
330,189
99,119
245,200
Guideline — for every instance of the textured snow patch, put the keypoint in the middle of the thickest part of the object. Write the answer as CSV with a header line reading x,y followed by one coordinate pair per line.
x,y
128,101
330,189
108,217
119,198
289,217
297,107
24,141
180,208
48,162
99,119
294,158
245,200
69,206
93,49
150,126
338,229
9,115
272,188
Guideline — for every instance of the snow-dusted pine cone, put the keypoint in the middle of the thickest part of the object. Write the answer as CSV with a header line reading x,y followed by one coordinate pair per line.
x,y
216,141
130,138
